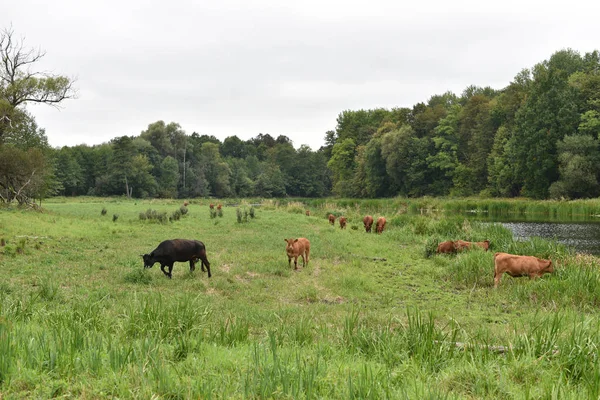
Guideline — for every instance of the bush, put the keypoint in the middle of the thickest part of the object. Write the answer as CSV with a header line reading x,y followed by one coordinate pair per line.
x,y
115,217
104,211
251,212
238,214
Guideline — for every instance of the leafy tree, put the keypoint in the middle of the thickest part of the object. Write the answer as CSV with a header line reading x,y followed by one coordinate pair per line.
x,y
68,172
405,160
216,170
270,182
549,113
579,161
342,166
24,174
168,178
19,84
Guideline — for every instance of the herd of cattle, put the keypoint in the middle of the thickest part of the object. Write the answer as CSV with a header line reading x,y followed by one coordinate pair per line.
x,y
182,250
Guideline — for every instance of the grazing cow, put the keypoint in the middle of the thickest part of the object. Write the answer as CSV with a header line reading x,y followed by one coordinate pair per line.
x,y
343,222
297,248
380,225
331,219
186,203
307,212
219,207
170,251
368,222
446,247
520,266
212,206
463,245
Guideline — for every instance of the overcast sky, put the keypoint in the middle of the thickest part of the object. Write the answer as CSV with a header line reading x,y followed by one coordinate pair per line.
x,y
226,67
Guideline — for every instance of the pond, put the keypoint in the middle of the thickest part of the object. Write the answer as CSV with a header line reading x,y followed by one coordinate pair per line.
x,y
580,233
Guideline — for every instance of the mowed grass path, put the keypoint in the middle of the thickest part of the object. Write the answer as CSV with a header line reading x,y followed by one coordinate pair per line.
x,y
81,318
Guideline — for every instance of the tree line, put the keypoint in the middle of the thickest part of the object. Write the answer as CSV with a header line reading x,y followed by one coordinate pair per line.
x,y
537,137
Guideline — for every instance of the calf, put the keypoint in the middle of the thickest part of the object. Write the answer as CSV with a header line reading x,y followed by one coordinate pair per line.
x,y
212,206
368,222
380,225
520,266
446,247
342,222
307,212
331,219
295,248
463,245
170,251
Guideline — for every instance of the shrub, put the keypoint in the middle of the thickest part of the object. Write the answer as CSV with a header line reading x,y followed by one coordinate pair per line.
x,y
104,211
115,217
252,212
238,214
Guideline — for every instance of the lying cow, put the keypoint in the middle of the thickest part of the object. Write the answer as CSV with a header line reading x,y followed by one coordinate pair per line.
x,y
297,248
463,245
368,222
520,266
446,247
171,251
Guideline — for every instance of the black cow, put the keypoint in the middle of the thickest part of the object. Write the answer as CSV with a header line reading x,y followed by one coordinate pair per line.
x,y
170,251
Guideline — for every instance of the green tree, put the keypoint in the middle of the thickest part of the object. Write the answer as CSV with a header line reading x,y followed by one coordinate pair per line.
x,y
342,166
20,85
168,178
579,162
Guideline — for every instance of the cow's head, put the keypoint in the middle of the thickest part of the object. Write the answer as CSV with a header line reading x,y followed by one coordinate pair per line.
x,y
289,247
549,268
148,260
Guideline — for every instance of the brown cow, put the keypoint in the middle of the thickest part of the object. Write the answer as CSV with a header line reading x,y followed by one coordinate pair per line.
x,y
446,247
331,219
520,266
219,207
368,222
186,203
295,248
212,206
380,225
343,222
463,245
307,212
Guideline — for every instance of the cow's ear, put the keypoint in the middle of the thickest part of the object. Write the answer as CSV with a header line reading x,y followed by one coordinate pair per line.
x,y
295,240
285,240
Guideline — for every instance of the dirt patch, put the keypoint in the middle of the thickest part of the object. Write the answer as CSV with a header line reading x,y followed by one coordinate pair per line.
x,y
226,268
335,300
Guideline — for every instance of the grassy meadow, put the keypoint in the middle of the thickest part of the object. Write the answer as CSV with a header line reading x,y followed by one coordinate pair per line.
x,y
370,316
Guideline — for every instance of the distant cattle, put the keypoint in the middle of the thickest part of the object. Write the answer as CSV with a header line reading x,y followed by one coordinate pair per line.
x,y
186,203
380,225
331,219
212,206
343,222
517,266
463,245
297,248
177,250
307,212
219,207
368,222
446,247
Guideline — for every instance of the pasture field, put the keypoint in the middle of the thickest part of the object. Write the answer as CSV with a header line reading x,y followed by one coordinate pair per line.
x,y
81,318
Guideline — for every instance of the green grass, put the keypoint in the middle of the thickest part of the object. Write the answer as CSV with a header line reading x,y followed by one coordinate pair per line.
x,y
81,318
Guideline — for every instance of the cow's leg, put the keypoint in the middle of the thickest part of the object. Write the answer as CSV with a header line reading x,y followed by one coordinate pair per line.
x,y
162,268
192,265
203,262
307,255
497,277
289,261
170,275
296,262
303,260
